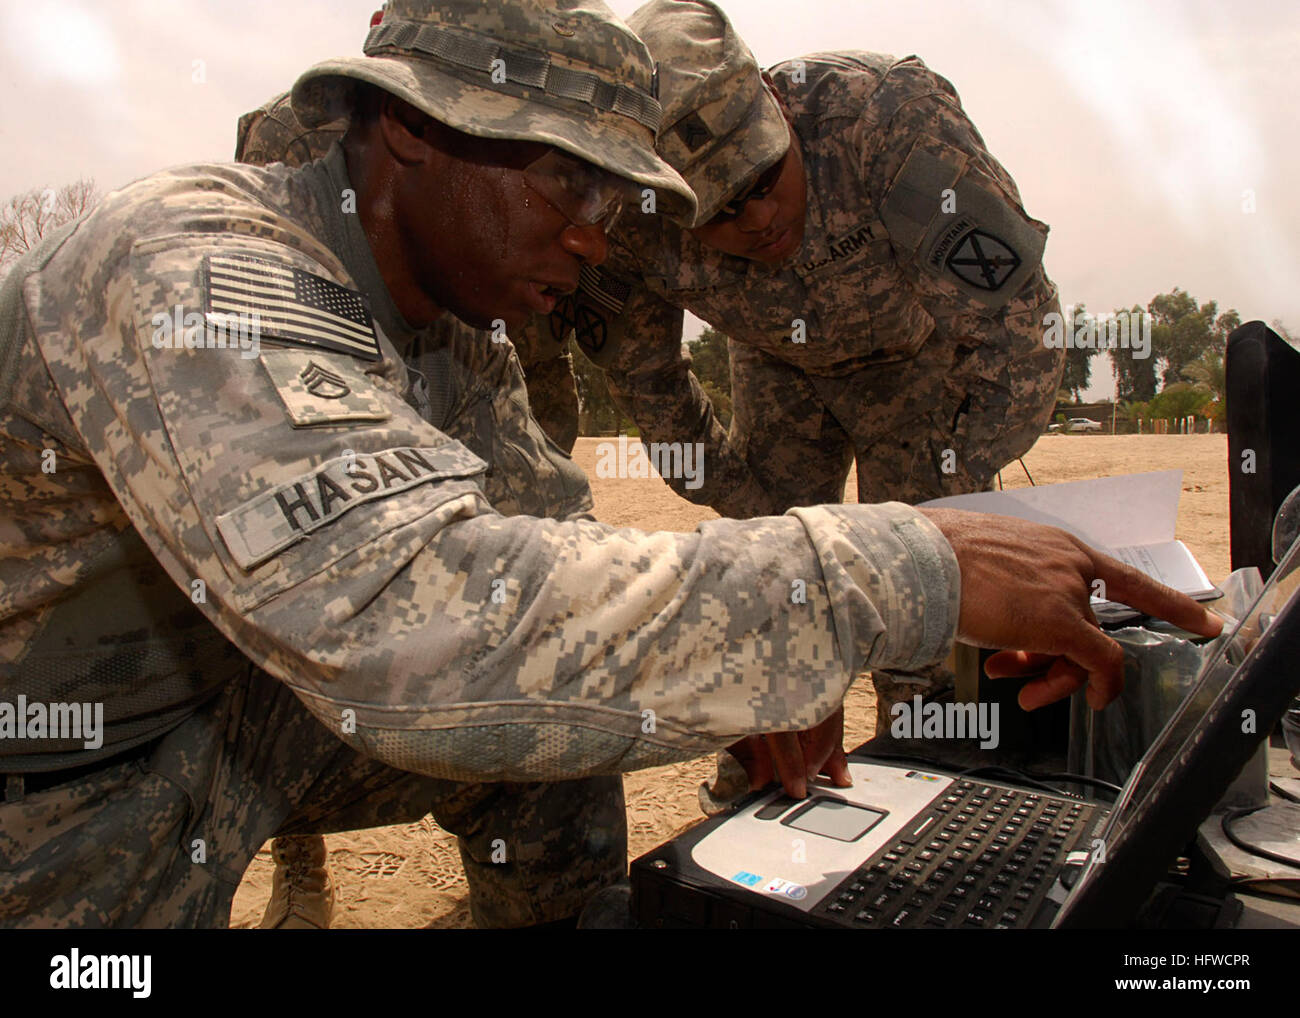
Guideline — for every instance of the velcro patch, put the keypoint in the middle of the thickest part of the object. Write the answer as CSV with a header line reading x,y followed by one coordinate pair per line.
x,y
317,388
603,289
969,235
289,512
598,303
290,304
982,260
693,131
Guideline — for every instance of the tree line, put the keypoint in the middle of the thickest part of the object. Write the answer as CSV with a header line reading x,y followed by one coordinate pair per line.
x,y
1184,374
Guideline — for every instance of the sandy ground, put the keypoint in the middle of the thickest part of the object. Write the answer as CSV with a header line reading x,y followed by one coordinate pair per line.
x,y
410,876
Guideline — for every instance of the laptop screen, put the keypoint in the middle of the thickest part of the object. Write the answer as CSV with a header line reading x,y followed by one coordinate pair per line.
x,y
1236,701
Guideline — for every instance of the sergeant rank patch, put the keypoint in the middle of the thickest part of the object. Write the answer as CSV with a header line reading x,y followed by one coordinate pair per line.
x,y
291,305
318,388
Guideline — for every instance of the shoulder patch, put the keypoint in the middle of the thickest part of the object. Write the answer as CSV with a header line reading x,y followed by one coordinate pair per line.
x,y
982,260
965,234
275,519
290,304
317,388
599,300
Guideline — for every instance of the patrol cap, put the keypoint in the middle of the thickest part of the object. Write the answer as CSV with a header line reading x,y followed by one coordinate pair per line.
x,y
566,73
721,126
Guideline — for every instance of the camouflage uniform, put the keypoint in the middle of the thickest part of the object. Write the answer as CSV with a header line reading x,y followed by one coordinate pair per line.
x,y
261,533
254,751
273,134
901,357
887,338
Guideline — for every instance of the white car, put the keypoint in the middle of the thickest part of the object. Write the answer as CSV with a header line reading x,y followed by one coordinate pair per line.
x,y
1082,424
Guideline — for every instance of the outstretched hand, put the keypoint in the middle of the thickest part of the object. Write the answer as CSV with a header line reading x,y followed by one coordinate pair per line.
x,y
1026,586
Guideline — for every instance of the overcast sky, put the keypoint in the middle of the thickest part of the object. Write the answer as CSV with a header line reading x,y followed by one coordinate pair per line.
x,y
1141,133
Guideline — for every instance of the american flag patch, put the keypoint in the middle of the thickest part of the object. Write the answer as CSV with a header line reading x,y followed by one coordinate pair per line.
x,y
603,289
292,305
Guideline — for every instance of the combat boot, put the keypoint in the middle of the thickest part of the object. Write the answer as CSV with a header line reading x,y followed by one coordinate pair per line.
x,y
302,892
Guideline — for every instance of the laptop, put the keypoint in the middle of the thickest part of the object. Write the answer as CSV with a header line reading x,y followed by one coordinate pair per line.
x,y
917,846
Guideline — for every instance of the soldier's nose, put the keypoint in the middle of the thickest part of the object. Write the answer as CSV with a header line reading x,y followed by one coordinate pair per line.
x,y
757,215
587,242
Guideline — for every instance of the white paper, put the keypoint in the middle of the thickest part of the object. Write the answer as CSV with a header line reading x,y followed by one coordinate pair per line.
x,y
1108,512
1131,517
1170,562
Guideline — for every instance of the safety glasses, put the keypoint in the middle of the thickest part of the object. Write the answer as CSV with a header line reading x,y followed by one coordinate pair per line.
x,y
584,194
760,189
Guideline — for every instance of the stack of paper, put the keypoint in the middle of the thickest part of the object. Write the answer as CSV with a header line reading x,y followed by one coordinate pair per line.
x,y
1130,517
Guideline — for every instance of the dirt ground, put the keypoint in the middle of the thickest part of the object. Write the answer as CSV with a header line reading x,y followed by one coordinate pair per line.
x,y
410,876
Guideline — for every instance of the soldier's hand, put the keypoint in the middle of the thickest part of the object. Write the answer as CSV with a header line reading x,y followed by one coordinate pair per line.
x,y
1025,586
796,757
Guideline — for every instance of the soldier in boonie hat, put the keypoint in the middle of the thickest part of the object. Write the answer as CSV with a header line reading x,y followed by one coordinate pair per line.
x,y
566,74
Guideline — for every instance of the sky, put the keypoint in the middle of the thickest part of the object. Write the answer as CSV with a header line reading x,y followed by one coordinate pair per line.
x,y
1160,140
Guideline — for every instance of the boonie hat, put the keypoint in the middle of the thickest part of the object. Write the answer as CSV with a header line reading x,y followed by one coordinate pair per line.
x,y
721,126
566,73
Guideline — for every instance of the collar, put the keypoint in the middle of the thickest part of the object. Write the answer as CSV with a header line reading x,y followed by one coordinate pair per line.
x,y
327,179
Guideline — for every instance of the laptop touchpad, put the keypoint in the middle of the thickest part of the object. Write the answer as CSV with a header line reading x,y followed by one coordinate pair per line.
x,y
834,818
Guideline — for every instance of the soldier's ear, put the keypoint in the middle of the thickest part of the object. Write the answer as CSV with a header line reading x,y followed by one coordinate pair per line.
x,y
407,132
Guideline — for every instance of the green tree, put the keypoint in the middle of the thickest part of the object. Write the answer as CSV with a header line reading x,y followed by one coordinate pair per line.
x,y
1078,360
1179,400
1208,374
721,402
598,414
1224,326
1182,330
711,362
1135,379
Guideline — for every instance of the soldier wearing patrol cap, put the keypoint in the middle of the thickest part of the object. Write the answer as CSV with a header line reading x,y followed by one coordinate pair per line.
x,y
299,601
870,261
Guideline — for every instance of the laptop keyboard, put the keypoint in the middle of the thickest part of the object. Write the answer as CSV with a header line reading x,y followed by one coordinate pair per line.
x,y
982,856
